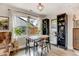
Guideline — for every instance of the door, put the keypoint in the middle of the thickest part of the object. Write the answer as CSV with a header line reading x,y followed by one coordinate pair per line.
x,y
76,38
53,31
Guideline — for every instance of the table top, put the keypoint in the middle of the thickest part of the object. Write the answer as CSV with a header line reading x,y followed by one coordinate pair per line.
x,y
37,37
44,36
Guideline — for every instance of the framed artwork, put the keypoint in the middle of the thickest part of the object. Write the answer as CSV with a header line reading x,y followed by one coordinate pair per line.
x,y
4,23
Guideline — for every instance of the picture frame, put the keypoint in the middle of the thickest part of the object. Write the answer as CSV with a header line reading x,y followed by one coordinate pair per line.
x,y
4,23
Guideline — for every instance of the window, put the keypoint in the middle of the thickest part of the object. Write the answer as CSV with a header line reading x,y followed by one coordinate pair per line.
x,y
20,26
25,26
33,22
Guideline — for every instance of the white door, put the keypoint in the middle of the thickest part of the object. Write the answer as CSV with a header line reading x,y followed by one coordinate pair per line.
x,y
53,31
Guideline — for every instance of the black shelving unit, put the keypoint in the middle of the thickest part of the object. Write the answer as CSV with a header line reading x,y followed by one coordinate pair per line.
x,y
61,30
45,26
45,30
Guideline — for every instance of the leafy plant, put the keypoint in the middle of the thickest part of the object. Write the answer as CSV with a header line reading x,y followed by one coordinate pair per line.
x,y
18,31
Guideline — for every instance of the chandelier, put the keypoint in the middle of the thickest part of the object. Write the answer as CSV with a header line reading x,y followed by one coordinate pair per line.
x,y
40,7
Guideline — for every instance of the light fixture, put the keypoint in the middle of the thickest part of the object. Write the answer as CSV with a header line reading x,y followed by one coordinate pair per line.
x,y
40,7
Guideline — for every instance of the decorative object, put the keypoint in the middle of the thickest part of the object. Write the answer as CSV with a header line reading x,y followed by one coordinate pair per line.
x,y
40,7
33,31
4,23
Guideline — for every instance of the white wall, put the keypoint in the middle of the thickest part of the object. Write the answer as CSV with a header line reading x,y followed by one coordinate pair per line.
x,y
70,31
3,10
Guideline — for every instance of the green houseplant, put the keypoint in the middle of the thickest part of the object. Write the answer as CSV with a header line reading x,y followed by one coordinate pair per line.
x,y
18,31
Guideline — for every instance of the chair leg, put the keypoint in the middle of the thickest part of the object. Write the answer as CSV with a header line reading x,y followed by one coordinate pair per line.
x,y
29,51
47,49
26,46
25,50
41,51
29,48
50,46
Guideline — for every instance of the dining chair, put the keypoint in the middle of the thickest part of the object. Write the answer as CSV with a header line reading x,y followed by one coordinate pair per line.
x,y
48,43
31,44
43,45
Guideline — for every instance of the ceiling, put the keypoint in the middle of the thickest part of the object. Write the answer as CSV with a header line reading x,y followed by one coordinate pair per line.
x,y
49,8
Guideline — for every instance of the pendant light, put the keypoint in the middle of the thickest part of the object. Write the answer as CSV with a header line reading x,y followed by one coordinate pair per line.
x,y
40,7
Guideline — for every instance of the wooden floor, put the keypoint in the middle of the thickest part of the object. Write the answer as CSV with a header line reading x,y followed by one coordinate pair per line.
x,y
55,51
62,52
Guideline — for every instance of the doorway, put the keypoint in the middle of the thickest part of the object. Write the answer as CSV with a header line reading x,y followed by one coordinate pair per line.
x,y
53,29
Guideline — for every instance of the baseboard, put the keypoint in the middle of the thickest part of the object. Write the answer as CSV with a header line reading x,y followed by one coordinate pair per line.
x,y
23,46
53,44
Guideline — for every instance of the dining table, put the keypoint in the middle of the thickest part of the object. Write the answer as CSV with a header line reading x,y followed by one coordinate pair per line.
x,y
34,39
